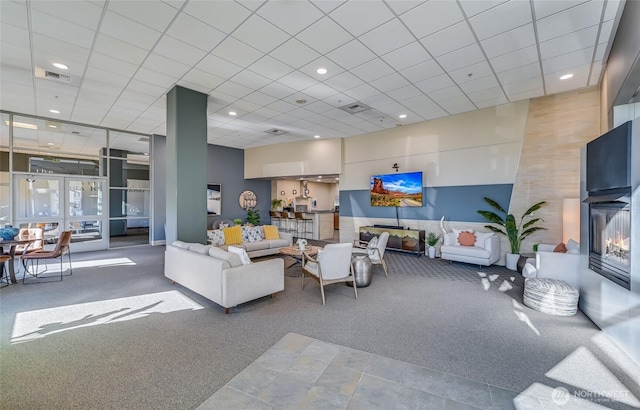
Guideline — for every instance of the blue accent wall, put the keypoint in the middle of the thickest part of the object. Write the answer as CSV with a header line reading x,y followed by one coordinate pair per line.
x,y
455,203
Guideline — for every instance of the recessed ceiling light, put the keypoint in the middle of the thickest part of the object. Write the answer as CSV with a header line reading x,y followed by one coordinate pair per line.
x,y
402,116
316,136
54,111
61,66
566,76
23,125
321,70
233,113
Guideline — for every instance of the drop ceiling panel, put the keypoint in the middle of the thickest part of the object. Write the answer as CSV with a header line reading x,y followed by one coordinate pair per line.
x,y
294,53
324,35
280,13
194,32
512,40
119,49
431,17
567,21
223,15
14,13
449,39
515,59
237,52
372,70
270,68
422,71
62,30
151,13
406,56
569,43
502,18
387,37
128,31
463,57
350,16
174,49
260,34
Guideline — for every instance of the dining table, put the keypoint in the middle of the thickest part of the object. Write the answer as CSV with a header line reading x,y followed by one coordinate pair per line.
x,y
12,244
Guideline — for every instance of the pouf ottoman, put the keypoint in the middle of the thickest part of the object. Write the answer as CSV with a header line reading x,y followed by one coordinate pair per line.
x,y
552,296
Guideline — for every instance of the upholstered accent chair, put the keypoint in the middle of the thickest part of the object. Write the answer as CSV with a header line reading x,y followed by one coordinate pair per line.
x,y
375,249
332,265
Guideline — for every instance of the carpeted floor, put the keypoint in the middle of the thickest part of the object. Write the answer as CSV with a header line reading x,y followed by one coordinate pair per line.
x,y
118,334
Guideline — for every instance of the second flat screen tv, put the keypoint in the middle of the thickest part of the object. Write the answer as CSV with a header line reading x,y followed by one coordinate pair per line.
x,y
399,189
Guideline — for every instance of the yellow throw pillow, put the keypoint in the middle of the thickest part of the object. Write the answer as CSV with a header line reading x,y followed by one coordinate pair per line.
x,y
271,232
233,235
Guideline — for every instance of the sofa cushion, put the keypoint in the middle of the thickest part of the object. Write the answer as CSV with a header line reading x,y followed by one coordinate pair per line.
x,y
215,236
232,258
244,257
181,245
470,251
271,232
199,248
233,235
277,243
467,239
481,237
255,246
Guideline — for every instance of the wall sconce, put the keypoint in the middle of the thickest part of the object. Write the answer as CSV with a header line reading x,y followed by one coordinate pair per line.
x,y
395,166
282,193
294,192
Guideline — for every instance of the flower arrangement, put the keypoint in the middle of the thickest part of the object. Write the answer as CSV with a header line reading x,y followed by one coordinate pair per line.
x,y
302,243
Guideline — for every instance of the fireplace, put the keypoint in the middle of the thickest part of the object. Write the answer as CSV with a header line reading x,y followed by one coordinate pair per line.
x,y
609,241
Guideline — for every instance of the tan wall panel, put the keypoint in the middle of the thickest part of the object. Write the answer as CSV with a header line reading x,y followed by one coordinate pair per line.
x,y
557,128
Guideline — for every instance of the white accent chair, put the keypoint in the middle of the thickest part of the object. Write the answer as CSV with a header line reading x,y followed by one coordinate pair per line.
x,y
555,265
332,265
376,253
485,252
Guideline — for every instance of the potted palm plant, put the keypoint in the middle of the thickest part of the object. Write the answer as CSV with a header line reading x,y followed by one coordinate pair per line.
x,y
432,240
276,204
515,232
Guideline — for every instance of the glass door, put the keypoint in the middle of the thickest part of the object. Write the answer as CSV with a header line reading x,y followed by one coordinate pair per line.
x,y
57,203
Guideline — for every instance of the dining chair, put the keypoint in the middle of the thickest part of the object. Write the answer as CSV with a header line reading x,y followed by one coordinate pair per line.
x,y
4,279
61,249
331,265
37,245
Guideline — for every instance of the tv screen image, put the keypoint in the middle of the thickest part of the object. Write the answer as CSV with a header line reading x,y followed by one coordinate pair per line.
x,y
399,189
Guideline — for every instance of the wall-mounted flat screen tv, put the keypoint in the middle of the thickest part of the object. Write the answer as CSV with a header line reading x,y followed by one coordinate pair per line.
x,y
399,189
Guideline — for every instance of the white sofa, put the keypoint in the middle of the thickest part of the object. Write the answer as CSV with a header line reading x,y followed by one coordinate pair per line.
x,y
555,265
263,247
484,252
219,275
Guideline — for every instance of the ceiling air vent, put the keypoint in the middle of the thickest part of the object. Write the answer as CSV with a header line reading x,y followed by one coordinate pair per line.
x,y
50,75
355,107
276,131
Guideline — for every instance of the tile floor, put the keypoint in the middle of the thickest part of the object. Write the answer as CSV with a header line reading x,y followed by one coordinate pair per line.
x,y
300,372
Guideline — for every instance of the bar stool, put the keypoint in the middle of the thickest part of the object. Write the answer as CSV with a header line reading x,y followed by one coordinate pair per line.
x,y
275,218
5,274
302,221
289,221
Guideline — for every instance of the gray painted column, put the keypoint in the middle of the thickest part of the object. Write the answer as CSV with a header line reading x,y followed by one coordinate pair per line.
x,y
186,168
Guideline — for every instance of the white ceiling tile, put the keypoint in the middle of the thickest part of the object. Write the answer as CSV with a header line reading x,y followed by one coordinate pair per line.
x,y
318,107
568,43
600,52
282,106
351,55
362,92
320,91
146,88
266,112
419,100
515,59
14,13
449,39
611,9
390,82
504,17
290,16
270,68
435,83
203,79
152,13
477,70
546,8
112,64
250,79
155,77
463,57
48,50
244,106
473,7
165,65
402,6
566,61
387,37
62,30
526,94
178,50
479,84
405,92
223,15
525,85
194,32
119,49
237,52
509,41
10,34
294,53
277,90
327,5
16,75
260,98
260,34
233,89
458,105
105,77
406,56
16,56
491,102
431,17
606,32
99,86
350,16
297,81
372,70
324,35
519,73
378,101
218,66
84,14
492,93
422,71
311,69
573,19
128,31
344,81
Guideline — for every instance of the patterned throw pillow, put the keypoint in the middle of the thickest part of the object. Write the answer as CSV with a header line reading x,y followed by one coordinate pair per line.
x,y
255,234
215,236
233,235
244,257
372,246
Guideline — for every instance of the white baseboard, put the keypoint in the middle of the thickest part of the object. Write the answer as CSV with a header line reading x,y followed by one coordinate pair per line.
x,y
158,243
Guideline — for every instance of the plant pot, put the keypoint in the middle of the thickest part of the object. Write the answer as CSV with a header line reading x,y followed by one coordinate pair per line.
x,y
432,251
512,260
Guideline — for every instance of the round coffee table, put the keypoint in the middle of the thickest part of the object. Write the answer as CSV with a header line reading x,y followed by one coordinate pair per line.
x,y
297,254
